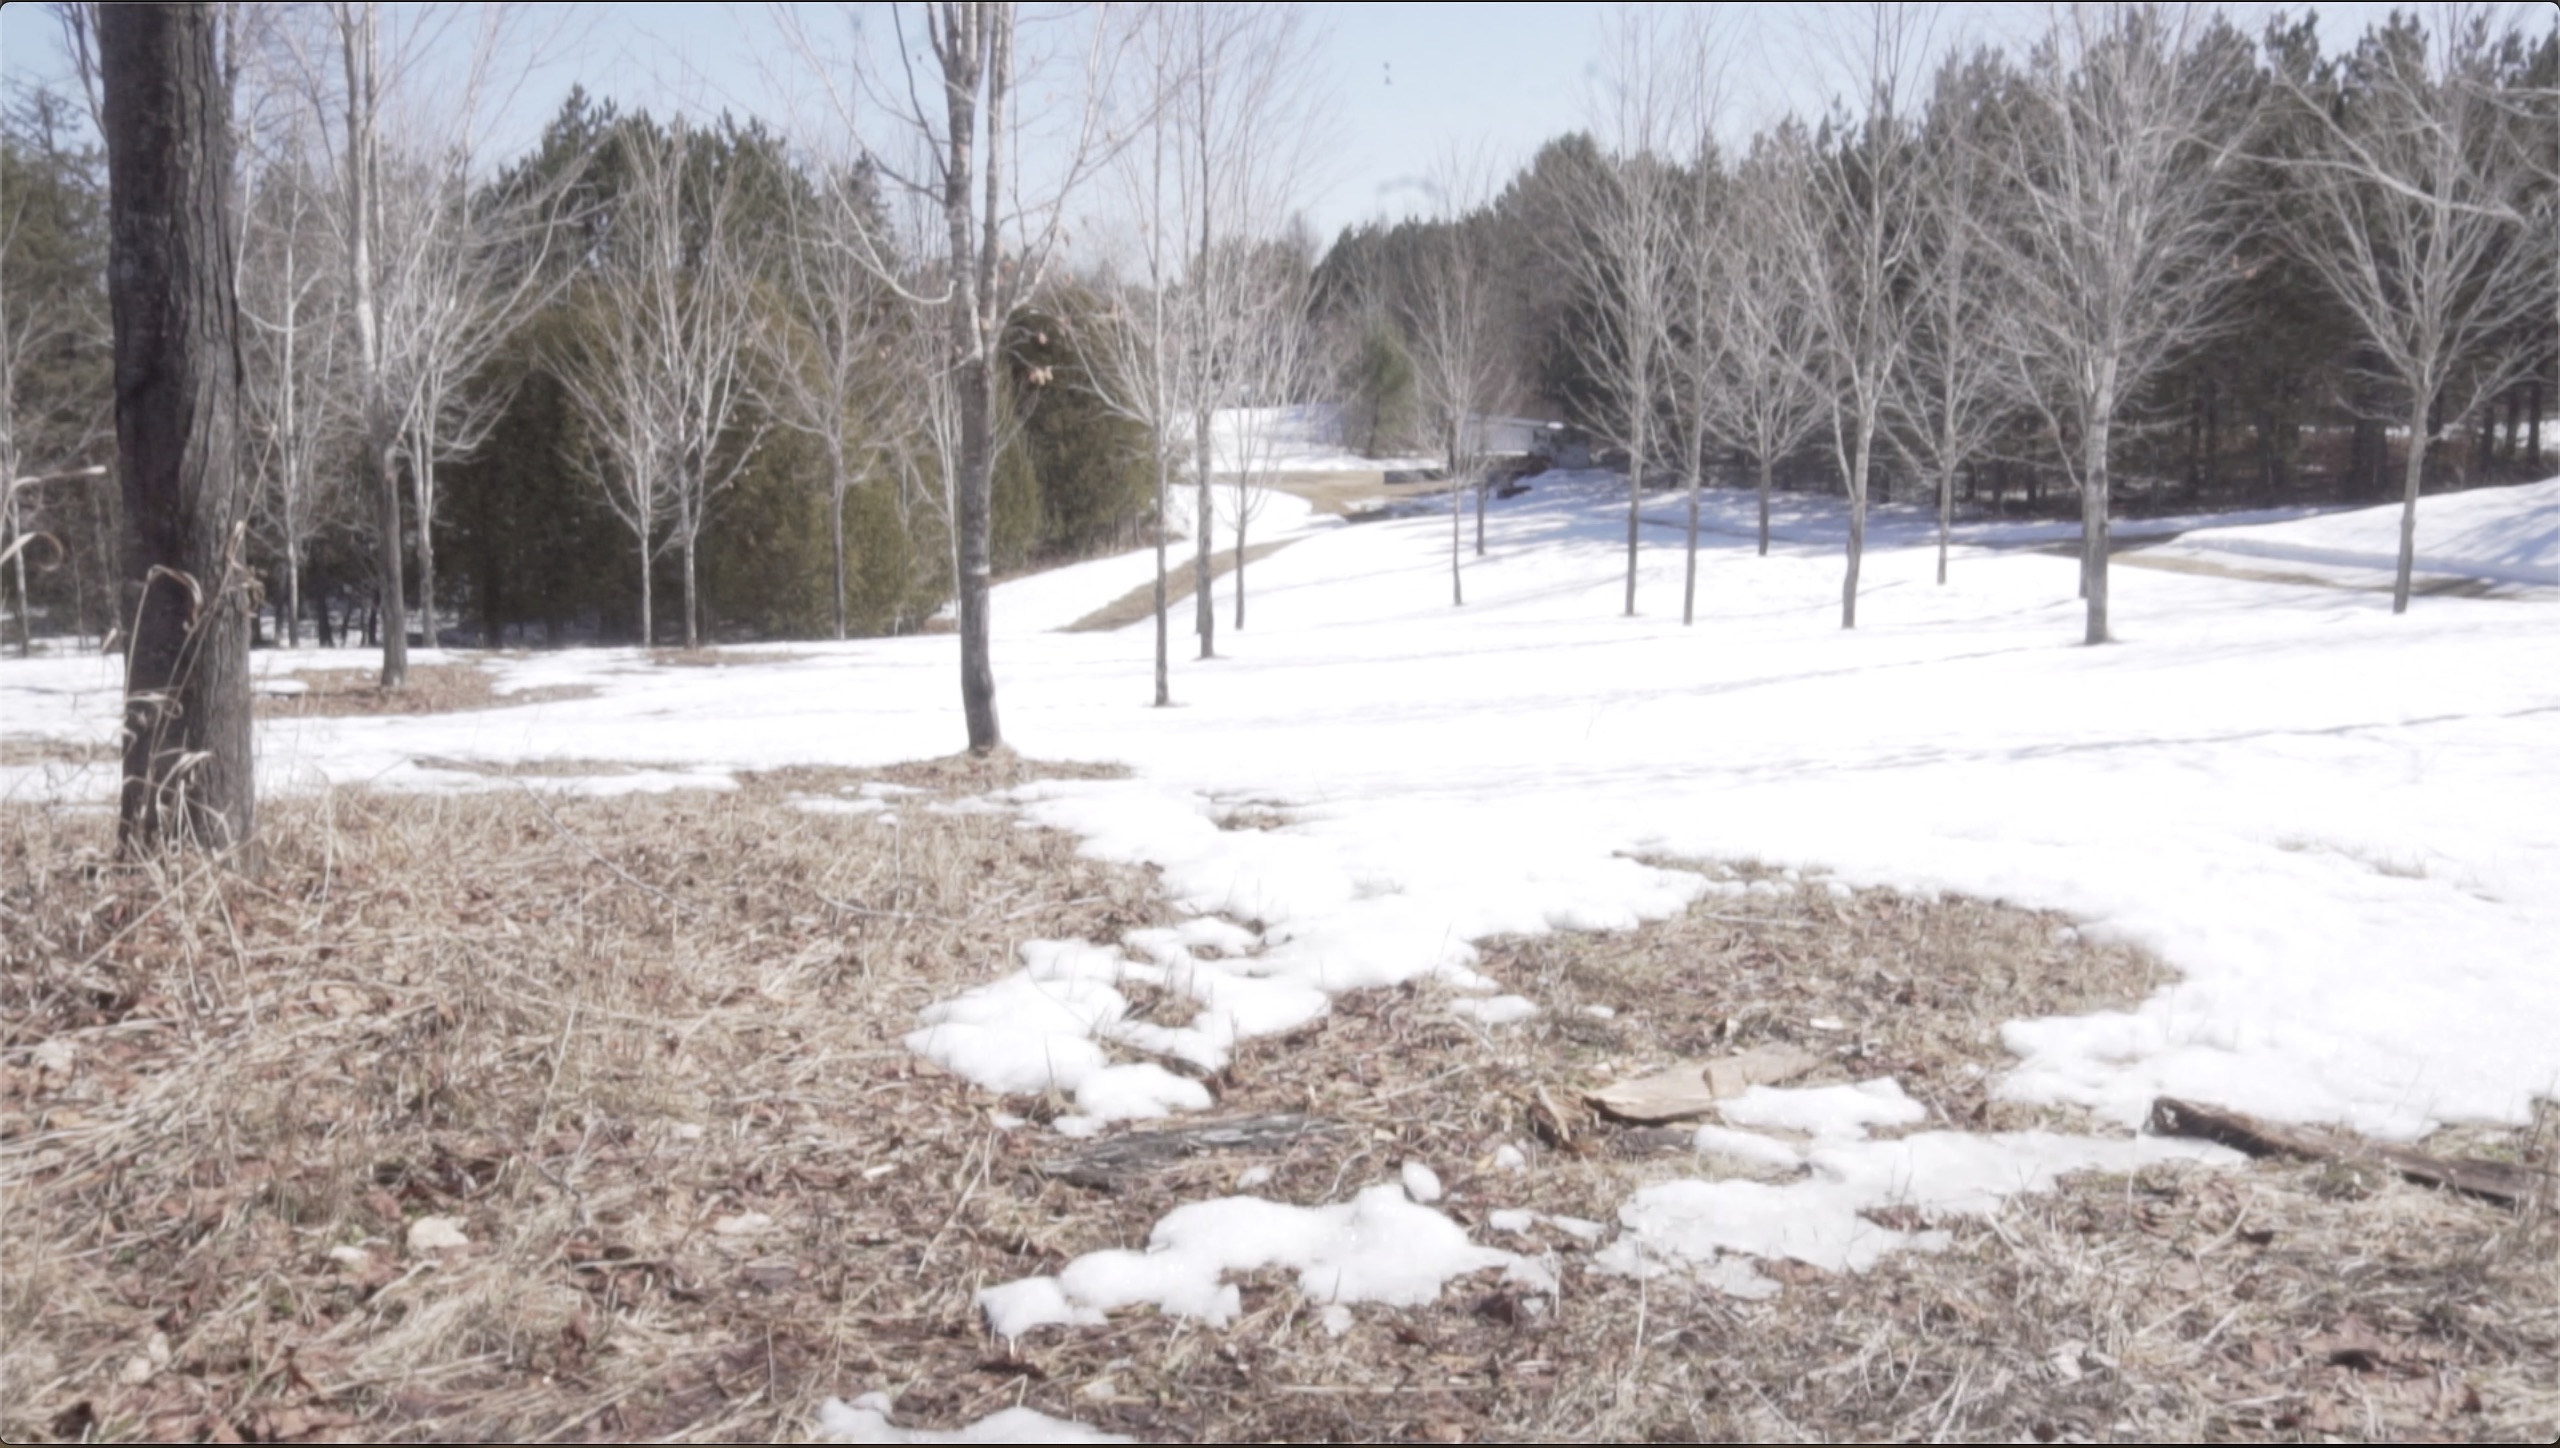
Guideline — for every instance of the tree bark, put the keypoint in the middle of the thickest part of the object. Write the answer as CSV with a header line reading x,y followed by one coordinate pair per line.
x,y
2418,416
188,776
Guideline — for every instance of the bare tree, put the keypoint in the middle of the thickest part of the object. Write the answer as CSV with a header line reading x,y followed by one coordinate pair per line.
x,y
2117,250
428,299
830,358
1763,320
1953,391
1630,234
666,378
1449,323
966,119
1276,362
188,773
291,409
2421,190
1851,233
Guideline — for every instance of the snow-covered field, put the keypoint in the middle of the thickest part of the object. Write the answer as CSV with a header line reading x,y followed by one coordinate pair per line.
x,y
2341,828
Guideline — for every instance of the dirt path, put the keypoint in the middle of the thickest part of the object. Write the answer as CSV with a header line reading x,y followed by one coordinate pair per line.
x,y
1338,494
1179,584
2421,587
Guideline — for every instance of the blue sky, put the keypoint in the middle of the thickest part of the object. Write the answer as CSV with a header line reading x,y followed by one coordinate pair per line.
x,y
1407,85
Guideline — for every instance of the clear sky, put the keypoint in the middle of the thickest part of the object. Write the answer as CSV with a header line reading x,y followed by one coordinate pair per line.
x,y
1408,84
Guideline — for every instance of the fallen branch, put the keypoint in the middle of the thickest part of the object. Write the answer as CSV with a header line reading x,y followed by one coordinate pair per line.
x,y
2505,1183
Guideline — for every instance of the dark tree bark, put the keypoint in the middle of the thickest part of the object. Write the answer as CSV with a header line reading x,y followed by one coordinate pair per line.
x,y
165,113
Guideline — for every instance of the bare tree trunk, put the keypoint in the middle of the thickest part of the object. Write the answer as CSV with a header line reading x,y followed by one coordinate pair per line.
x,y
1206,604
1946,508
977,495
1766,467
648,620
1481,486
1457,515
293,598
188,775
1244,510
1863,458
692,608
835,524
2093,524
422,490
1164,499
1635,496
1689,584
2418,415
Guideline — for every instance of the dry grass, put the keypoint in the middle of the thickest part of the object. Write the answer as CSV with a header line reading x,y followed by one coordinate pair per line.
x,y
432,689
718,658
22,751
645,1050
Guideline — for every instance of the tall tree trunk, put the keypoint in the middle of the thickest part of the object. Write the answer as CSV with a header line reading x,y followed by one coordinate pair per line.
x,y
188,776
2093,526
1635,496
1205,605
422,496
648,619
835,527
977,508
356,25
292,596
1689,581
1767,466
692,610
1457,587
1863,458
18,566
2420,414
1164,643
1946,513
1243,507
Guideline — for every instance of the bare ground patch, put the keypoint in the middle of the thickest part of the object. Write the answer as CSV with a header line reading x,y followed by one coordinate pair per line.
x,y
641,1057
1179,583
21,751
431,689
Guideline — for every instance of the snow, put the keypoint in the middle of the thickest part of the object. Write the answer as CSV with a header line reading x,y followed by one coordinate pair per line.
x,y
1381,1246
866,1420
2496,535
2339,828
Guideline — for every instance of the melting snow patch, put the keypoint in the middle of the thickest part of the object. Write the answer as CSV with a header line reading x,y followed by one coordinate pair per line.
x,y
1378,1247
1498,1011
1825,1111
1696,1224
866,1420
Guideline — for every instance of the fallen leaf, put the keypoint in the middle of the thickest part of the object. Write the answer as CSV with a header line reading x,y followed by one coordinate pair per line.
x,y
744,1224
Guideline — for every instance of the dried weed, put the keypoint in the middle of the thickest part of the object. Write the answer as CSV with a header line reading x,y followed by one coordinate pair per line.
x,y
636,1062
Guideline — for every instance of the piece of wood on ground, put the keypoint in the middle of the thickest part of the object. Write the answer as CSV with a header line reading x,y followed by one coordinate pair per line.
x,y
1105,1165
2503,1182
1692,1088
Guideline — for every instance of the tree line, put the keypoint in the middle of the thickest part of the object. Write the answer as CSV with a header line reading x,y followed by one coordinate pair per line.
x,y
666,380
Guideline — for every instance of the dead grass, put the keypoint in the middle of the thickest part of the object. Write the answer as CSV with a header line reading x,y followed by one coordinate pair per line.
x,y
645,1051
431,689
718,658
22,751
